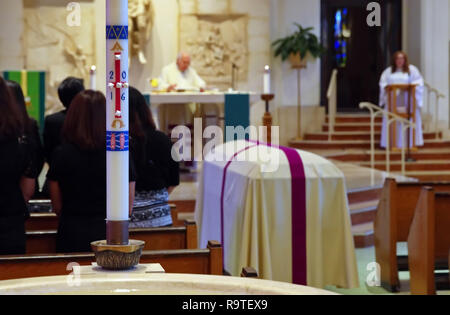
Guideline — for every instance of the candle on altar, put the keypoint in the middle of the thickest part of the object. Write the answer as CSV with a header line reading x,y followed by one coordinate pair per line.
x,y
93,77
117,121
266,80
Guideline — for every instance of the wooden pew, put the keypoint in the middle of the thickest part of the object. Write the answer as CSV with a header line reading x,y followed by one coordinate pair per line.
x,y
193,261
42,222
40,206
428,242
49,220
393,218
249,272
180,209
184,205
182,237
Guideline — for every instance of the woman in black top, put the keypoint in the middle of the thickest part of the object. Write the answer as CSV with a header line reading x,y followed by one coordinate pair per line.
x,y
17,174
31,129
156,172
77,175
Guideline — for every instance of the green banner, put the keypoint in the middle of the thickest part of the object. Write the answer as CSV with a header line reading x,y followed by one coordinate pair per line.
x,y
33,86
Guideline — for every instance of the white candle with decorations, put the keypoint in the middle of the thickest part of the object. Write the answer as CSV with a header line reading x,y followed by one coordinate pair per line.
x,y
93,78
266,80
117,133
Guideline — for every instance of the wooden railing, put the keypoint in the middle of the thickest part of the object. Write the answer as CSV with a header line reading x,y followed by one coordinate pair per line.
x,y
389,118
437,96
332,103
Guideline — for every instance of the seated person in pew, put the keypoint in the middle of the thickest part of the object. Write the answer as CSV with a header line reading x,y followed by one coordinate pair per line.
x,y
157,173
18,174
77,175
32,136
67,91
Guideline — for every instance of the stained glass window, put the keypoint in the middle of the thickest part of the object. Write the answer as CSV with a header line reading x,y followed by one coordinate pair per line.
x,y
341,36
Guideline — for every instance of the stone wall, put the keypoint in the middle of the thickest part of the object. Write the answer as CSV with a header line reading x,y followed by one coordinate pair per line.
x,y
45,42
11,17
256,15
50,44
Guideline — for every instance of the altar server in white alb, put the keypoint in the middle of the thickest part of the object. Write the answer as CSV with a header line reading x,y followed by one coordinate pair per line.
x,y
401,72
181,76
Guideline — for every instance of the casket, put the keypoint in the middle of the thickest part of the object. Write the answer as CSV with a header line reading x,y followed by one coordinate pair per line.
x,y
279,210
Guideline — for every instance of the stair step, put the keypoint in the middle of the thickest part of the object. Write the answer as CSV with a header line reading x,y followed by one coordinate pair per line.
x,y
368,194
352,118
355,135
356,144
422,155
363,212
363,235
395,166
430,176
363,206
352,127
185,216
362,229
356,127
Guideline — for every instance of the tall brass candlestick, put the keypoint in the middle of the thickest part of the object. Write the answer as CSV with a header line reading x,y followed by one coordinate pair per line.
x,y
299,109
267,119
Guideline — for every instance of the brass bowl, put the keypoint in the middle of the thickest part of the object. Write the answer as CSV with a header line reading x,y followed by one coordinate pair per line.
x,y
117,257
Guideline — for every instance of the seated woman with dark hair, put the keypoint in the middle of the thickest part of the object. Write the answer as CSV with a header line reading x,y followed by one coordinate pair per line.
x,y
31,129
77,175
156,172
17,173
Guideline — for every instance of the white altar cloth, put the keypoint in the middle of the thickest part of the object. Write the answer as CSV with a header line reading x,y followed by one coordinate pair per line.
x,y
194,97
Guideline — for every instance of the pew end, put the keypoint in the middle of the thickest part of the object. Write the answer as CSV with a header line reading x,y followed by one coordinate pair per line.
x,y
191,234
216,250
394,216
429,242
385,234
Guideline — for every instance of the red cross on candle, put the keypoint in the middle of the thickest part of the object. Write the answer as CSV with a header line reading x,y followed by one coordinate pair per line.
x,y
118,85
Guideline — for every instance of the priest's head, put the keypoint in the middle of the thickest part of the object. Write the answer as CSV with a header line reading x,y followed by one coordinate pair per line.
x,y
183,61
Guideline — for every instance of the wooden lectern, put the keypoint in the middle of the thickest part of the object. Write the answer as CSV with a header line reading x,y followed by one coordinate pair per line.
x,y
402,102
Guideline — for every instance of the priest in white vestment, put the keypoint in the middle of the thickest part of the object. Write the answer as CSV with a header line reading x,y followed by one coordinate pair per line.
x,y
179,76
401,72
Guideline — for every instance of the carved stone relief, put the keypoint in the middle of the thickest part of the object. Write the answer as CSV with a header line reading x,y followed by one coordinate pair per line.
x,y
140,24
216,42
52,45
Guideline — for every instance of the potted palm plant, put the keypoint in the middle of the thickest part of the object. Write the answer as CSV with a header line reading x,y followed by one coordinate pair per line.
x,y
297,46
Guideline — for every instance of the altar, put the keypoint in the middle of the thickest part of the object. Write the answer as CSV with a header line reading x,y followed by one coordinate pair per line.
x,y
234,107
286,216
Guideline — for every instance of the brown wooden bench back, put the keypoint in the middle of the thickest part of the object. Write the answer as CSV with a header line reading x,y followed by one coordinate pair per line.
x,y
193,261
183,237
394,215
429,239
